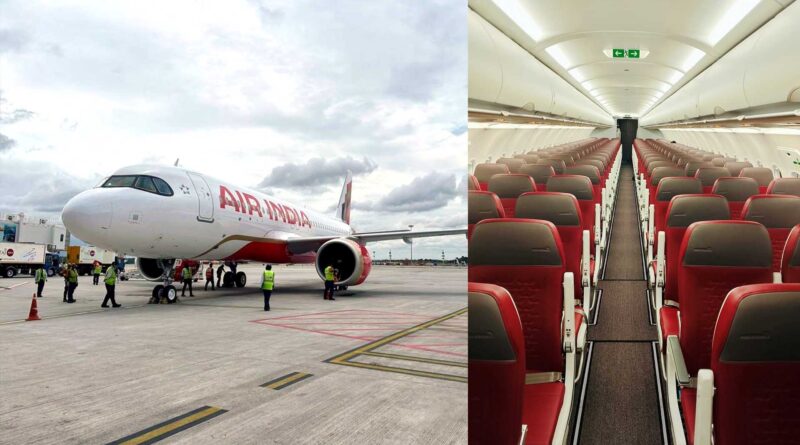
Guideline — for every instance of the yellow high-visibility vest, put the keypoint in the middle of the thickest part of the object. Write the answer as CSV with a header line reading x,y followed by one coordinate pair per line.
x,y
187,273
40,276
329,273
269,280
111,275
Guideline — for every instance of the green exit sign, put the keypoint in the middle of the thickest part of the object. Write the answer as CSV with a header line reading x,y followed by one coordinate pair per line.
x,y
622,53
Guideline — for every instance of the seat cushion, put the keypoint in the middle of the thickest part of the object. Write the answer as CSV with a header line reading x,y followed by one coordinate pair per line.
x,y
540,408
670,325
688,404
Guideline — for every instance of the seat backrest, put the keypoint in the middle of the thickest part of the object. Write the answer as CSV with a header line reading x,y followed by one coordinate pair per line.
x,y
735,167
496,366
558,164
508,187
651,166
485,171
540,174
482,205
755,357
600,165
709,175
790,260
716,256
525,256
579,186
736,191
513,163
784,186
668,188
692,167
472,183
683,211
528,158
563,210
660,173
778,213
761,174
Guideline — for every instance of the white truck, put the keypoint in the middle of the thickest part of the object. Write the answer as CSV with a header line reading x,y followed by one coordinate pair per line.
x,y
24,258
85,256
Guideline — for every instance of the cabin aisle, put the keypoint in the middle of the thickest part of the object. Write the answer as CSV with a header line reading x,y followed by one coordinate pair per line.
x,y
621,404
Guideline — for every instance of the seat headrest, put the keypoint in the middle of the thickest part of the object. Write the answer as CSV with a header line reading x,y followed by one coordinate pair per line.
x,y
761,174
692,167
511,185
659,173
709,175
685,210
600,165
660,163
735,189
485,171
784,186
472,183
488,332
670,187
539,172
590,171
483,205
561,209
578,185
515,242
791,254
735,167
529,158
557,164
727,243
513,163
758,323
774,211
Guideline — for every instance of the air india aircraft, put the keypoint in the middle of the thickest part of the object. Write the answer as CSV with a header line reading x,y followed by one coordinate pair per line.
x,y
161,213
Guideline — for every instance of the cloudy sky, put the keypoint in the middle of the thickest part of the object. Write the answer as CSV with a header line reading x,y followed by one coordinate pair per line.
x,y
283,96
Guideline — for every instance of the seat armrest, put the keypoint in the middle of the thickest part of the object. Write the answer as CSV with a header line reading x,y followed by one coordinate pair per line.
x,y
597,225
524,436
569,312
675,355
776,277
704,408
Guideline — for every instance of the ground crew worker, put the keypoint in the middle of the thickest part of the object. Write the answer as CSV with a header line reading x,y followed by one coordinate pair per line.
x,y
267,283
111,284
65,273
39,278
220,272
210,276
98,269
186,274
73,283
329,279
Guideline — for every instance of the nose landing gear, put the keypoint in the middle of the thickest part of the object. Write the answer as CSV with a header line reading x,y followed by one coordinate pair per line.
x,y
165,293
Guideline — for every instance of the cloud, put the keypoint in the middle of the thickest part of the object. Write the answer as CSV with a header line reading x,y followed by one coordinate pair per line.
x,y
12,40
15,116
317,172
6,143
429,192
53,188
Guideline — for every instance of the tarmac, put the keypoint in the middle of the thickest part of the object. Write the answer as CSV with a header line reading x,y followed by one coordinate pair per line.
x,y
386,363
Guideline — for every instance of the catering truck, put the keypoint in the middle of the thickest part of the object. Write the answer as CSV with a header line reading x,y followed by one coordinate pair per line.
x,y
25,258
86,256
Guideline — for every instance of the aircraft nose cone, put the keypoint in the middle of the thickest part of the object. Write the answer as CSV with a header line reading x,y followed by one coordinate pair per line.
x,y
88,216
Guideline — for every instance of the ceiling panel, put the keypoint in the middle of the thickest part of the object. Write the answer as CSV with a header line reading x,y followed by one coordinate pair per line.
x,y
676,39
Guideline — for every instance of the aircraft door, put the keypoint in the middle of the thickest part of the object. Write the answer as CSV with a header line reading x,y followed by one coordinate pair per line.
x,y
205,202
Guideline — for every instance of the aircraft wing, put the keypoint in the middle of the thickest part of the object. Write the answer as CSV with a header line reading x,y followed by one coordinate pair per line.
x,y
312,243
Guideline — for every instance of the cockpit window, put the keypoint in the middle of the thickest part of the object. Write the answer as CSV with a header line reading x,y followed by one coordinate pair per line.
x,y
141,182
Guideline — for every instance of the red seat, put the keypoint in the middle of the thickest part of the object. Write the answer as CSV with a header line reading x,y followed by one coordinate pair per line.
x,y
736,191
528,158
542,404
540,174
735,167
591,172
761,174
790,261
485,171
668,188
778,213
660,173
596,162
509,187
558,164
482,205
691,167
716,256
709,175
784,186
683,211
756,376
496,366
472,183
563,210
513,163
581,187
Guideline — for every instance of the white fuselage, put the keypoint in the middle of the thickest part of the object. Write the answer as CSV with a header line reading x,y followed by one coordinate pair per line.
x,y
204,218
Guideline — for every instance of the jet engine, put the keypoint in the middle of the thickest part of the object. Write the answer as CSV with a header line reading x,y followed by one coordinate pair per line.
x,y
350,258
153,269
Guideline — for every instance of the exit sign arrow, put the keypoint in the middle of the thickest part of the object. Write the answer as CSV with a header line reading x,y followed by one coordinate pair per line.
x,y
633,53
619,52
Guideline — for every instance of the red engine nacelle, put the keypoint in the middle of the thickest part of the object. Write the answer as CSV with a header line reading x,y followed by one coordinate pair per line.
x,y
350,258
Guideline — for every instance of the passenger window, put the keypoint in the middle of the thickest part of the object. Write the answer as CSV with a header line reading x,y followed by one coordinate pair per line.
x,y
163,187
120,181
145,183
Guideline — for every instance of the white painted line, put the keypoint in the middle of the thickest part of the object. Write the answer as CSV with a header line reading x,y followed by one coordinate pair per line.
x,y
15,285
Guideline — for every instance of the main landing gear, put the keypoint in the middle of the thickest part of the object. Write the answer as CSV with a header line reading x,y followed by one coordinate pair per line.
x,y
233,278
165,293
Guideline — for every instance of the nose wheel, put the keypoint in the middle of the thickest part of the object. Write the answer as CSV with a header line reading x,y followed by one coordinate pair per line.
x,y
165,293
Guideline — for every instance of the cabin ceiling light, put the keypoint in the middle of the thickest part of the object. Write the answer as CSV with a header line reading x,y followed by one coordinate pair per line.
x,y
577,75
691,60
558,54
514,10
674,77
730,19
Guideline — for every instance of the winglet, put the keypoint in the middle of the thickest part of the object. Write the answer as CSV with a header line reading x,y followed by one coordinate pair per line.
x,y
343,208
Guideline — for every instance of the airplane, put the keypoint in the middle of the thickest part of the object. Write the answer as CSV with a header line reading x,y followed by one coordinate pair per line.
x,y
634,222
163,213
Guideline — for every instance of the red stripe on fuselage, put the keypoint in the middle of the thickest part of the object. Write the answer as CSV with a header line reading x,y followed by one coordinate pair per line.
x,y
273,252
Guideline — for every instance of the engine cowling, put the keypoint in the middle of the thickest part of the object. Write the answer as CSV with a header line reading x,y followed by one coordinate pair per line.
x,y
153,269
349,257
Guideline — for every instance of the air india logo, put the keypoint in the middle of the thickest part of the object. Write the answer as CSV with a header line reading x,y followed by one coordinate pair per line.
x,y
91,253
10,252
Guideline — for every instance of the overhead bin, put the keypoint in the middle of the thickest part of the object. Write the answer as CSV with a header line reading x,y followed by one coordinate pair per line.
x,y
502,72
